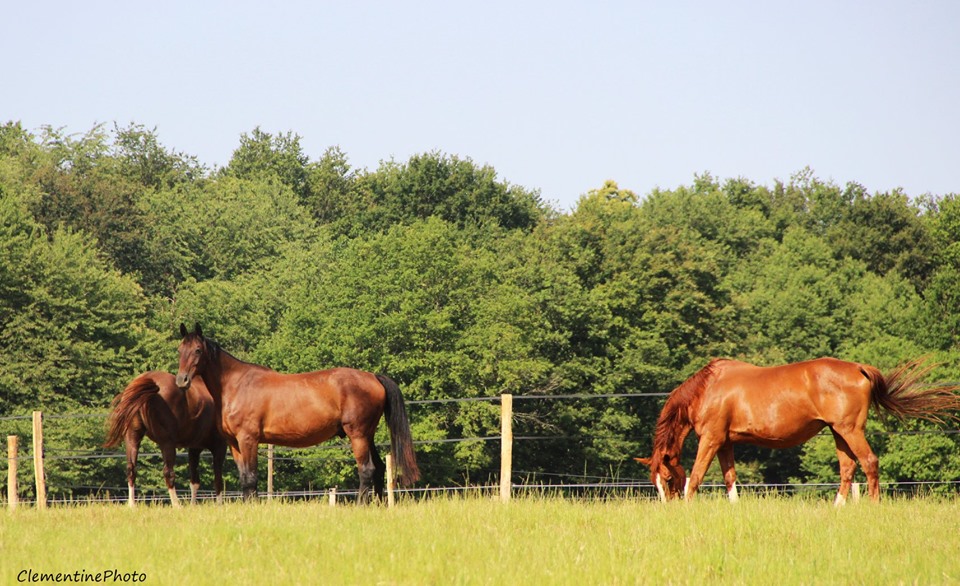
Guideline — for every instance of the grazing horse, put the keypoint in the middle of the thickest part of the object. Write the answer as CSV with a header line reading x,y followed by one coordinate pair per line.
x,y
729,402
259,405
154,406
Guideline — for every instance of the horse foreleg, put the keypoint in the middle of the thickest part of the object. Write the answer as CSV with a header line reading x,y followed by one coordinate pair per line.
x,y
247,465
706,450
169,453
725,455
193,458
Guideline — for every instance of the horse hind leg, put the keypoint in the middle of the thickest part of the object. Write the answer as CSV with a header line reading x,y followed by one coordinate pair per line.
x,y
245,455
131,443
370,468
858,447
380,471
725,455
848,466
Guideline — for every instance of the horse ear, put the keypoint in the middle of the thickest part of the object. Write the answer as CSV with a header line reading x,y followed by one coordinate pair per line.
x,y
644,461
183,330
197,330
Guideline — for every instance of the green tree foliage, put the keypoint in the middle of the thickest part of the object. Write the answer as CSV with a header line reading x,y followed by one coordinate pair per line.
x,y
82,187
793,299
941,313
659,278
433,184
921,456
72,327
97,185
886,232
144,159
225,228
332,183
392,303
459,285
264,155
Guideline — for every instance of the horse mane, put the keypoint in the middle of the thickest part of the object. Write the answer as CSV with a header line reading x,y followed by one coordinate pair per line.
x,y
674,419
214,350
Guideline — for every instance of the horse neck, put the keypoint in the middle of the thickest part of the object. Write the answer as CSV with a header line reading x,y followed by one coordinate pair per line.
x,y
220,374
672,429
676,419
197,402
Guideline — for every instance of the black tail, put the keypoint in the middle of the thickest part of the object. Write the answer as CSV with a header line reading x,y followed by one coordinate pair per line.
x,y
401,440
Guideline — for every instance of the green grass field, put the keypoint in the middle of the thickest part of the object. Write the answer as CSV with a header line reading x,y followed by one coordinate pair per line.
x,y
532,540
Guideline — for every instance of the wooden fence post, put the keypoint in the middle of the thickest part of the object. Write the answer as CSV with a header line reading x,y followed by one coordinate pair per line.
x,y
506,445
38,472
391,482
269,471
12,496
333,496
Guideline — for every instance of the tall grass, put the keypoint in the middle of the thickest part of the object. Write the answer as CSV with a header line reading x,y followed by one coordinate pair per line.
x,y
531,540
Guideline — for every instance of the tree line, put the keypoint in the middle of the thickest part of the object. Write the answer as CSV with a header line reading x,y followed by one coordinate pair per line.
x,y
459,284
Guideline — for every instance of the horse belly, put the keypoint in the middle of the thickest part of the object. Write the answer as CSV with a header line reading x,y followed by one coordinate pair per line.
x,y
776,437
782,424
300,427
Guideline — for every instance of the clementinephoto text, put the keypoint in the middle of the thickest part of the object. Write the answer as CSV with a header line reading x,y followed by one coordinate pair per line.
x,y
31,576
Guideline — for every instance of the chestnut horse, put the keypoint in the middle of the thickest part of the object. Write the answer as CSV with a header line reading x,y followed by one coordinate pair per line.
x,y
259,405
154,406
729,402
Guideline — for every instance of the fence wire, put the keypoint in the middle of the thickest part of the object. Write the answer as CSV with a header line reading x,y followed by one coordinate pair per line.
x,y
282,454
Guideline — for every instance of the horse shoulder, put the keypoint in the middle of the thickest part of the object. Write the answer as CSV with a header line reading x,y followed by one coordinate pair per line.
x,y
743,392
730,378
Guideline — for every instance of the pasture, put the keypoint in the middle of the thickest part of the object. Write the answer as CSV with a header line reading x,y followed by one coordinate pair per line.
x,y
475,540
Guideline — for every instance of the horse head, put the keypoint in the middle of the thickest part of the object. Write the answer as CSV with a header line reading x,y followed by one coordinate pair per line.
x,y
666,474
192,350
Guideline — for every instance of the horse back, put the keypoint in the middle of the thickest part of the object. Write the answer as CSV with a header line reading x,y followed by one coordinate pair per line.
x,y
785,405
161,405
306,408
809,379
186,419
349,388
334,386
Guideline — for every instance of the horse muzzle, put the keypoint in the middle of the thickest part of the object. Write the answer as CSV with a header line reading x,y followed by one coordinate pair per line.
x,y
183,381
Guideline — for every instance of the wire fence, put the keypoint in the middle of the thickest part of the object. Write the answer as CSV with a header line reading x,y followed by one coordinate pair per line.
x,y
523,482
585,491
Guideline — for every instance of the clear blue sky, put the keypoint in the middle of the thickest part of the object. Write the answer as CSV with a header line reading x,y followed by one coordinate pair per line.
x,y
556,96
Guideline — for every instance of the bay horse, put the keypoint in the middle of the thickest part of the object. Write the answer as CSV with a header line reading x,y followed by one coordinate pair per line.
x,y
729,402
153,405
259,405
